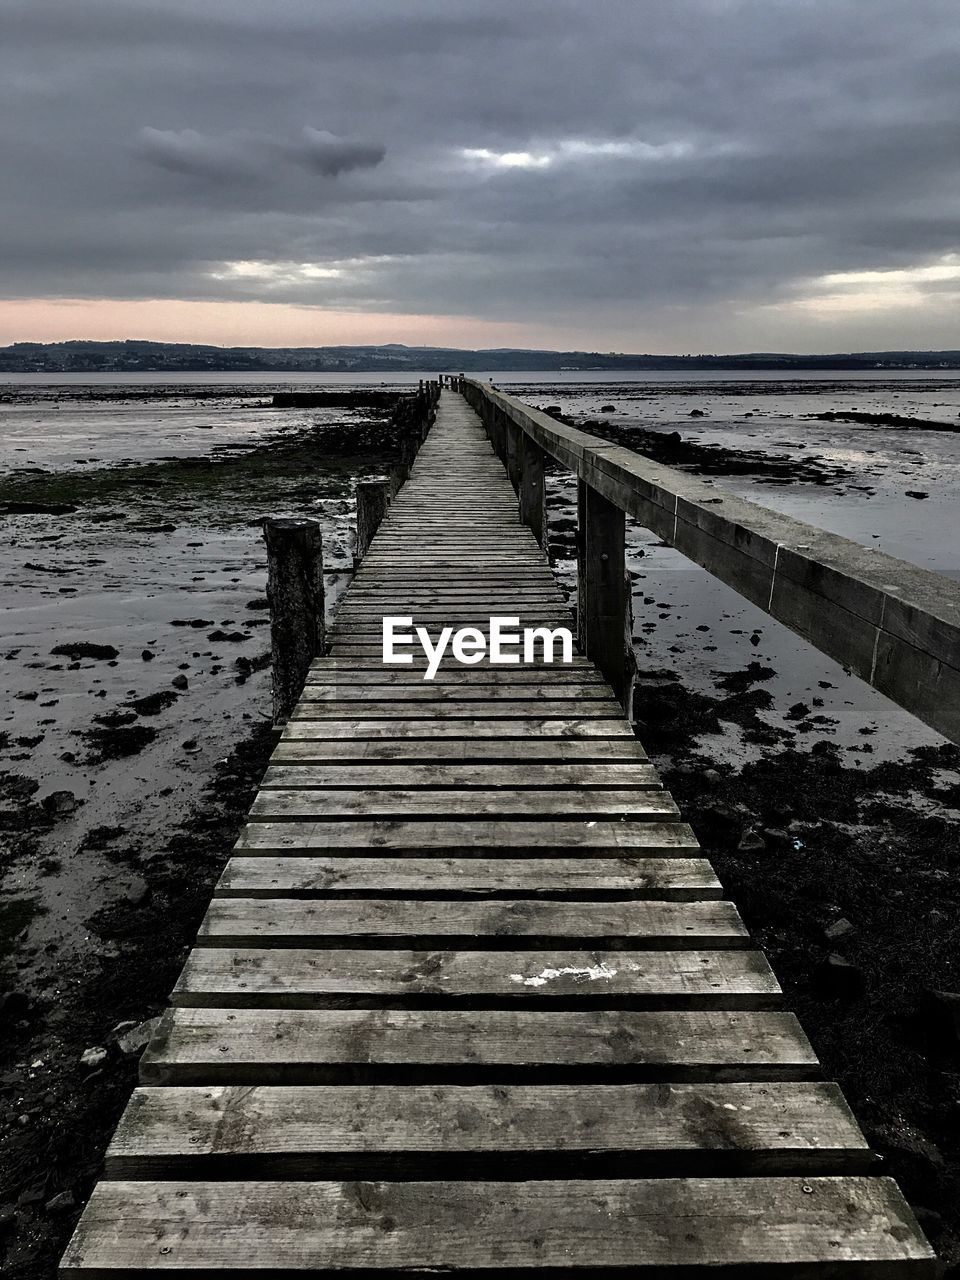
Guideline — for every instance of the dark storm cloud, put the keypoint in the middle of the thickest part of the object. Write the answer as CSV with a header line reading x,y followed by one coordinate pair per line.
x,y
606,162
332,156
246,156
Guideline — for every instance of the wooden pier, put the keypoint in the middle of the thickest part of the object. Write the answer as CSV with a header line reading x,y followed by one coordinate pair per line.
x,y
469,997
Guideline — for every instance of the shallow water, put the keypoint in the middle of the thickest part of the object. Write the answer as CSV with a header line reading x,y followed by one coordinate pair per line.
x,y
700,628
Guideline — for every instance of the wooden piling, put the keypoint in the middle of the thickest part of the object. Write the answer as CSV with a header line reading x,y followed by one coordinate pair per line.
x,y
295,593
373,499
532,493
512,434
601,593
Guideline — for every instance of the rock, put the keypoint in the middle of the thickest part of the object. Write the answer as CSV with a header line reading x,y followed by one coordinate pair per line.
x,y
751,841
916,493
62,1203
908,1143
60,803
138,1037
711,775
153,703
180,682
775,836
721,816
697,413
191,745
37,509
929,1221
138,892
14,1006
839,929
20,788
93,1057
839,979
147,655
77,649
940,1013
608,408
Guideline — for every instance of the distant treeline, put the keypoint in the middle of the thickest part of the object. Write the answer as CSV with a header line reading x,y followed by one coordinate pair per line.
x,y
170,357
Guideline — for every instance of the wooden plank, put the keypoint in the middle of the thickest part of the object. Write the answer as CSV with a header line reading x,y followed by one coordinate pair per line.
x,y
387,1046
786,1227
373,921
464,591
368,657
502,1131
584,880
350,647
295,978
483,750
429,691
480,803
463,709
418,727
464,777
361,675
482,835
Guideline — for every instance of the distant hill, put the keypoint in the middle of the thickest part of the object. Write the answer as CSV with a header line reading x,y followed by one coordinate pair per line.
x,y
182,357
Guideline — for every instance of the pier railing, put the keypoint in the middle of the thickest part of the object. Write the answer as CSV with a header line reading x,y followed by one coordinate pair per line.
x,y
893,624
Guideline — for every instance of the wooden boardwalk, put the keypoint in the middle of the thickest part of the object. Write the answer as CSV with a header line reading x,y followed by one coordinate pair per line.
x,y
469,997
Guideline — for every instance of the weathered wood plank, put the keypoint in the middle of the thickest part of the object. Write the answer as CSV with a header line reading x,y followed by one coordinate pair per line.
x,y
459,709
366,804
483,750
584,880
500,1131
360,675
293,922
429,691
381,1046
293,978
464,777
394,729
482,835
790,1227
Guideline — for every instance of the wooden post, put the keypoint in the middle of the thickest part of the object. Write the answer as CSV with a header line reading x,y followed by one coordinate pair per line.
x,y
629,654
601,593
533,507
295,593
373,498
512,452
487,417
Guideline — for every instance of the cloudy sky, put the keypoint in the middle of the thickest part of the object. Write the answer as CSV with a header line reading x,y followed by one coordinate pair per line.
x,y
635,175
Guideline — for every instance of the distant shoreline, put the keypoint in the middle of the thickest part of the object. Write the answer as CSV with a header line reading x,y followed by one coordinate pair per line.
x,y
149,357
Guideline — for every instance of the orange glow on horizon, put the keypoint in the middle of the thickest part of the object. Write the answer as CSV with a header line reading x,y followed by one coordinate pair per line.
x,y
250,324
